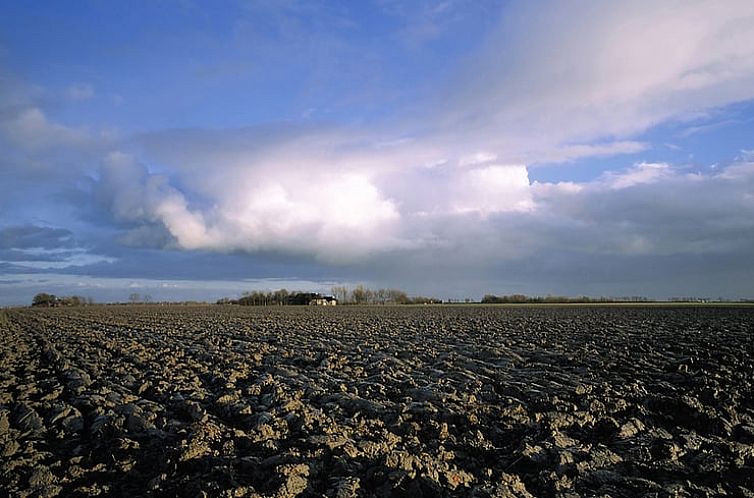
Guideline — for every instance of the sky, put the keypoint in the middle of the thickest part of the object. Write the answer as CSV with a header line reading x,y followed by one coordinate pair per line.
x,y
194,150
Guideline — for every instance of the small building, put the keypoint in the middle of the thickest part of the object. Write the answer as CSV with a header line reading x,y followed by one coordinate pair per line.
x,y
311,299
323,301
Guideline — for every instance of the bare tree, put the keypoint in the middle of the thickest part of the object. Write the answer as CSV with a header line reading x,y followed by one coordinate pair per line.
x,y
369,296
383,295
398,296
280,297
340,293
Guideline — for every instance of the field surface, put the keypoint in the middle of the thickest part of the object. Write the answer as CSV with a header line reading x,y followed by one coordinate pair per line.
x,y
391,401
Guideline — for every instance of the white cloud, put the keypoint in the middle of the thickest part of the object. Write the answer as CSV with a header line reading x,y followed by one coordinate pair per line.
x,y
641,173
572,152
30,129
78,257
133,195
478,158
341,204
738,171
330,194
332,214
493,189
569,72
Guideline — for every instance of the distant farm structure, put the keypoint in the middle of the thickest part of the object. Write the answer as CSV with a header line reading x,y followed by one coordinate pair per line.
x,y
311,299
323,301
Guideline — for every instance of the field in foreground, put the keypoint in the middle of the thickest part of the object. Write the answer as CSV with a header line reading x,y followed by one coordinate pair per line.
x,y
392,401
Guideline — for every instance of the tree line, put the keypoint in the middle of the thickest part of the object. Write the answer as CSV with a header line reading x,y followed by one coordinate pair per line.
x,y
259,298
44,299
361,295
343,295
524,299
365,295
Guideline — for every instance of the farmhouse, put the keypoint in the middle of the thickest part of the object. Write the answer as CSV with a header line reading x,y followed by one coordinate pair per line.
x,y
312,299
323,301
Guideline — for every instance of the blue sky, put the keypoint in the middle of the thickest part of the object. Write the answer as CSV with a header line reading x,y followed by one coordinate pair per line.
x,y
452,148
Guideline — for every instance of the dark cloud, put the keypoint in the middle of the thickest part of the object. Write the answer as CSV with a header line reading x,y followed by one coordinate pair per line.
x,y
10,269
198,265
43,256
31,236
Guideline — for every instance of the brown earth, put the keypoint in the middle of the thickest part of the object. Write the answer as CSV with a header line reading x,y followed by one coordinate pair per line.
x,y
392,401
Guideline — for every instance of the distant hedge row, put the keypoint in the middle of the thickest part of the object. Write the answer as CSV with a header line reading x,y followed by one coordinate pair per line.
x,y
51,300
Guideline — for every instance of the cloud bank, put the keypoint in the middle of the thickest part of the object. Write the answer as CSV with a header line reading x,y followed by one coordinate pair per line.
x,y
571,81
341,215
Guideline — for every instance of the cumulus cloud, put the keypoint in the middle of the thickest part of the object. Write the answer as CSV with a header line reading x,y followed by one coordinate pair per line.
x,y
340,205
34,141
493,189
307,209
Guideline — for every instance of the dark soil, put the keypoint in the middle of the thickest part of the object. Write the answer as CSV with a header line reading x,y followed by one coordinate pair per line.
x,y
390,401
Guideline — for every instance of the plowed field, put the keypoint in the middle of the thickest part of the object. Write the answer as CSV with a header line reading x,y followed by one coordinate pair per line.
x,y
377,401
